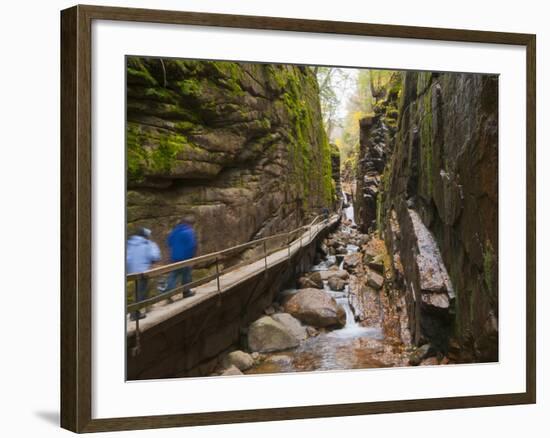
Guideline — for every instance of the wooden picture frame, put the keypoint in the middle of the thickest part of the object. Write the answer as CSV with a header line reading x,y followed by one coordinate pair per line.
x,y
76,217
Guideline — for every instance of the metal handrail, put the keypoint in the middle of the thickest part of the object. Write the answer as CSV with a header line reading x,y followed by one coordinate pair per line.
x,y
217,257
211,256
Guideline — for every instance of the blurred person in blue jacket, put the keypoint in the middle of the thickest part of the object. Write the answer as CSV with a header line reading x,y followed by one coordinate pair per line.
x,y
141,253
183,246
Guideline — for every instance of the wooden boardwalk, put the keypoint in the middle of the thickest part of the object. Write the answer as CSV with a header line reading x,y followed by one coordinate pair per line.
x,y
162,311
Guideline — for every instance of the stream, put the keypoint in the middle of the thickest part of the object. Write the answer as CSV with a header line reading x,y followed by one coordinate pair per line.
x,y
353,346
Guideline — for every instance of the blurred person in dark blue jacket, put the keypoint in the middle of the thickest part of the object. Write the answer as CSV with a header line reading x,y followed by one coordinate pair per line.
x,y
183,246
141,253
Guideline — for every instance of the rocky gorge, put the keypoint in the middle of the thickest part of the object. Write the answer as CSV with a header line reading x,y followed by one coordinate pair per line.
x,y
404,273
428,184
343,314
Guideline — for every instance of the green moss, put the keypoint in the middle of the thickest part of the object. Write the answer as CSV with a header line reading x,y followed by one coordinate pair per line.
x,y
159,94
186,126
190,87
161,158
334,151
392,113
137,73
423,81
395,88
278,74
152,151
228,75
426,146
136,155
307,172
329,185
379,206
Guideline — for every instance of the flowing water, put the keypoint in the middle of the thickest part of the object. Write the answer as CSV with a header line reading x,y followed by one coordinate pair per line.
x,y
349,211
353,346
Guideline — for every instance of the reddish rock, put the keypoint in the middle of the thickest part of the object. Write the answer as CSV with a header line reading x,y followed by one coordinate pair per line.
x,y
317,308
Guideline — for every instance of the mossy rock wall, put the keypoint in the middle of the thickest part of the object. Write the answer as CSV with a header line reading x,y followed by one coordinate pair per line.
x,y
239,146
444,166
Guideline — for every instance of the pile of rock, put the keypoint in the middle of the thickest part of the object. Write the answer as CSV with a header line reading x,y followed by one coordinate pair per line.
x,y
311,280
235,362
302,315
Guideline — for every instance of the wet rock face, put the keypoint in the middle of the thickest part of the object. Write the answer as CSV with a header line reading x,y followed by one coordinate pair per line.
x,y
239,146
376,138
440,204
370,167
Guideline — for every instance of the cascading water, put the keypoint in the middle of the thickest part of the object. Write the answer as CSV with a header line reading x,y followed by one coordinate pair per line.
x,y
349,211
352,346
352,327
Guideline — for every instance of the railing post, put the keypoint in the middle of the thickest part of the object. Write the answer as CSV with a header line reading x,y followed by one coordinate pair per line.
x,y
137,347
136,288
265,255
218,275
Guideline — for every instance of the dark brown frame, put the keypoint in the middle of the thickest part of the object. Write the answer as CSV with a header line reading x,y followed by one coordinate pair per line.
x,y
76,173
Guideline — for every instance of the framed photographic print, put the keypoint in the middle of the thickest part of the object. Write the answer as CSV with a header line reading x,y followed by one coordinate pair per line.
x,y
258,213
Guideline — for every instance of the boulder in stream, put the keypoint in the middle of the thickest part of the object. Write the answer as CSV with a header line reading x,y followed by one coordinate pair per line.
x,y
317,308
370,253
419,354
291,324
375,280
377,264
336,283
311,280
231,371
239,359
352,261
340,273
266,334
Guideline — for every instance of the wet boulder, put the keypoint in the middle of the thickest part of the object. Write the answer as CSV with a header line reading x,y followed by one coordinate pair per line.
x,y
340,249
336,283
239,359
352,261
370,253
267,334
312,331
232,371
418,355
292,325
429,361
377,264
374,280
311,280
340,273
317,308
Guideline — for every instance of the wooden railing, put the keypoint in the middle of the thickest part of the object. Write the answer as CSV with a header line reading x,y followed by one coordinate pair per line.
x,y
286,240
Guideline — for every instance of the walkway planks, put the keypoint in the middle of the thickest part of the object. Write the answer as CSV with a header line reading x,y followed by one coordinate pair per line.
x,y
161,312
